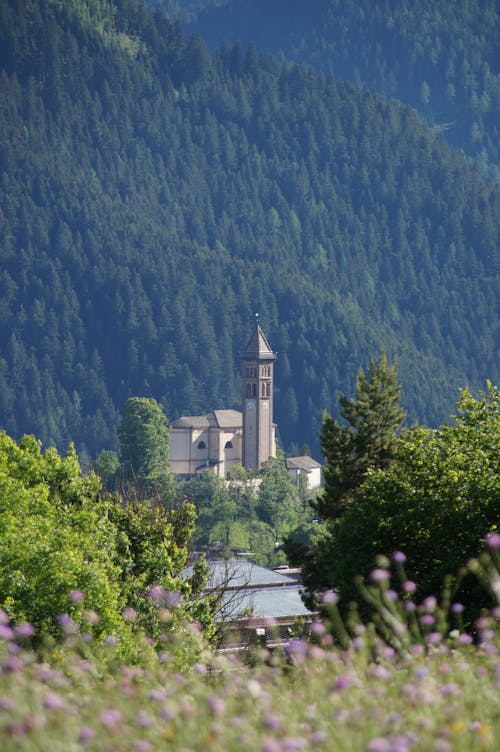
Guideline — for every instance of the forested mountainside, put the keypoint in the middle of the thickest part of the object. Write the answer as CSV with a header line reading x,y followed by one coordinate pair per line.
x,y
154,196
438,56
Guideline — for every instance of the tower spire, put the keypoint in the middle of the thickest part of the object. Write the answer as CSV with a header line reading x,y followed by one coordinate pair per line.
x,y
258,429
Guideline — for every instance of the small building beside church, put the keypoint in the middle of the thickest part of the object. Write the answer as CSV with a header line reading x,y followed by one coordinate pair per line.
x,y
297,466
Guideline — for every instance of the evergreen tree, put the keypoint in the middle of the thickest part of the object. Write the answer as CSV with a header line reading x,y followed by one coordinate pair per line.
x,y
374,416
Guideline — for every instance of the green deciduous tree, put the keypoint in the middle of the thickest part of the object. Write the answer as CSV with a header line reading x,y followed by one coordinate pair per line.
x,y
436,502
373,418
144,442
59,535
106,466
277,499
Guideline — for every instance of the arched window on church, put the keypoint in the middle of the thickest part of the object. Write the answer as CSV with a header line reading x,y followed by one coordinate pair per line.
x,y
228,445
202,445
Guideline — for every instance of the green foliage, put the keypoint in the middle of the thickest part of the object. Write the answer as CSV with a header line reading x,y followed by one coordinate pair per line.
x,y
59,536
246,513
277,501
373,416
55,538
134,168
144,442
419,53
435,502
106,467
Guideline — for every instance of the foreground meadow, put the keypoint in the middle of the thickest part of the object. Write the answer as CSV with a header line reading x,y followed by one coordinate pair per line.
x,y
440,694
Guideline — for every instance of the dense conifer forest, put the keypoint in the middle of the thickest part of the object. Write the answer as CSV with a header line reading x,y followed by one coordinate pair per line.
x,y
154,195
439,57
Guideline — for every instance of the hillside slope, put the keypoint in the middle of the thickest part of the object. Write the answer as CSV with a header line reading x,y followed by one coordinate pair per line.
x,y
438,57
153,197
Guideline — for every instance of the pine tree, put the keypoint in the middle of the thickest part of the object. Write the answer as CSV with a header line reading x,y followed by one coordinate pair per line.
x,y
374,416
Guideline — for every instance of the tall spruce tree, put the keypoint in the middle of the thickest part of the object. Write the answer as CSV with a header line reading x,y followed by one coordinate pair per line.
x,y
373,417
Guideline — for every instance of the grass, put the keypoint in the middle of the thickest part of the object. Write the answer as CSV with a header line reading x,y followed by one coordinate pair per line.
x,y
437,690
446,697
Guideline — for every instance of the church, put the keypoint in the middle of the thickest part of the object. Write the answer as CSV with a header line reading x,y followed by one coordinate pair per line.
x,y
222,438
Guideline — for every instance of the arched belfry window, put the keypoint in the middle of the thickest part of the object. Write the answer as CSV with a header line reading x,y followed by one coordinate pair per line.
x,y
202,445
228,445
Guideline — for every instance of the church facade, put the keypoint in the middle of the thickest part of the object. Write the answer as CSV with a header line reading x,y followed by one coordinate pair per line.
x,y
222,438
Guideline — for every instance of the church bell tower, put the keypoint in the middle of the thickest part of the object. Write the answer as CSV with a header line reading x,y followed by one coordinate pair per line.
x,y
259,441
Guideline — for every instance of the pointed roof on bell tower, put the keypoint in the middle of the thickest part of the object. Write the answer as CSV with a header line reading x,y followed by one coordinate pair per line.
x,y
258,347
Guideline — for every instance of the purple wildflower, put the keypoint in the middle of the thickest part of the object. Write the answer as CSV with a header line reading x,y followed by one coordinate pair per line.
x,y
157,695
270,745
24,630
110,718
409,586
67,623
434,638
167,714
272,722
292,743
85,735
17,729
141,745
379,744
448,690
6,703
457,608
329,598
129,614
173,598
318,628
388,653
53,701
379,575
492,540
216,705
380,672
12,663
429,603
399,557
427,620
75,596
403,743
144,719
296,648
421,672
343,681
6,633
158,594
